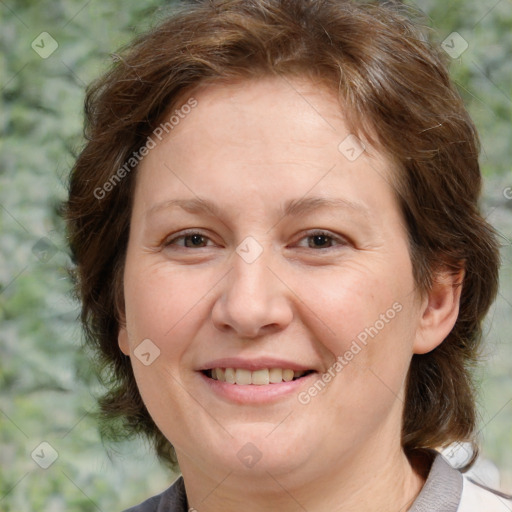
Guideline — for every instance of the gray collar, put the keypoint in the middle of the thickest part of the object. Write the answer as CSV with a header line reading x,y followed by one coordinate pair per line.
x,y
442,490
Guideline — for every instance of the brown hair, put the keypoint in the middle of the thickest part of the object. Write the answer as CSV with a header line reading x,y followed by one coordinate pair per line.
x,y
395,91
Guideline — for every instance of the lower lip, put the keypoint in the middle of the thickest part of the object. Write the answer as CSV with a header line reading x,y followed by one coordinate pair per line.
x,y
254,394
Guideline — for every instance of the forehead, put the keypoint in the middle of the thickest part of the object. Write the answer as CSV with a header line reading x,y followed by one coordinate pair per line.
x,y
270,137
270,113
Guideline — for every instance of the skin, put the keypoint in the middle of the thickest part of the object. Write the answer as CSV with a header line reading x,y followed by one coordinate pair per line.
x,y
250,147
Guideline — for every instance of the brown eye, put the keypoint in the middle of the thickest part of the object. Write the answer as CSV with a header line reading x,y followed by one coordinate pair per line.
x,y
320,241
192,240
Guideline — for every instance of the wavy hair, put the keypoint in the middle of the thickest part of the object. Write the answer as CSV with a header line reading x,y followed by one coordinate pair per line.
x,y
395,90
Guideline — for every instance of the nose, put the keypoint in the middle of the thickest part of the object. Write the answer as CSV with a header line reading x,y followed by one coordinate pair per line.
x,y
253,301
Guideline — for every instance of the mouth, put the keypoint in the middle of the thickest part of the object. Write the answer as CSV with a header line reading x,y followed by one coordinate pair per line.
x,y
260,377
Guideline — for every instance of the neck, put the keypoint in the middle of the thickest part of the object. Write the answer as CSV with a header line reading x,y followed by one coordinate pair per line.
x,y
363,483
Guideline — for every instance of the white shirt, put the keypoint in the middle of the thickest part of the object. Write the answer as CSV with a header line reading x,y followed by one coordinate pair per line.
x,y
476,499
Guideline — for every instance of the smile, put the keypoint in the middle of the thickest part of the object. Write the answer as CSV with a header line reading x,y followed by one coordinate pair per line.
x,y
262,377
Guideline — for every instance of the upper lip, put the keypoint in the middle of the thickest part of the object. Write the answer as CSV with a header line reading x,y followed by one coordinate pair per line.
x,y
254,364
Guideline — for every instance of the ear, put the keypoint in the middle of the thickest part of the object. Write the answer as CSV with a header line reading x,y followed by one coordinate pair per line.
x,y
122,340
120,307
122,335
439,310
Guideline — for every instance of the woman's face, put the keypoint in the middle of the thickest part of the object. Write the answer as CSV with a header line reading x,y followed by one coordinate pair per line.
x,y
261,241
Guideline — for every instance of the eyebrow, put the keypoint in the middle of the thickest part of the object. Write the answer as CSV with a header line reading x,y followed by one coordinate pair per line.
x,y
196,205
307,204
292,207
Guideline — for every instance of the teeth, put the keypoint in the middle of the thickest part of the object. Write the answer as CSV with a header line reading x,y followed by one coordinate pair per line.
x,y
260,377
275,375
288,375
229,375
244,377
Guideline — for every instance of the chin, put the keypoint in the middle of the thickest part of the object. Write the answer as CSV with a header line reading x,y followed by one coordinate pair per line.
x,y
257,450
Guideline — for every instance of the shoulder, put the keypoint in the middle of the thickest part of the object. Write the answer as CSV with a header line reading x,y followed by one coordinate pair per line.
x,y
174,499
448,490
476,498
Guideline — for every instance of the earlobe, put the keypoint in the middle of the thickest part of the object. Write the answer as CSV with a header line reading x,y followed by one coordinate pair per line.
x,y
440,310
122,336
122,340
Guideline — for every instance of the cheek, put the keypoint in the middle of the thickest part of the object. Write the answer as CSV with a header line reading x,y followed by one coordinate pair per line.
x,y
352,303
363,315
165,305
369,338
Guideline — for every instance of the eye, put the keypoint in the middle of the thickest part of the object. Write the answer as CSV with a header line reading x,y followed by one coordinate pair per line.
x,y
189,240
321,240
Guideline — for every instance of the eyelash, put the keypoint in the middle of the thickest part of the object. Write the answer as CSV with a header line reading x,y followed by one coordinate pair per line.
x,y
170,241
333,238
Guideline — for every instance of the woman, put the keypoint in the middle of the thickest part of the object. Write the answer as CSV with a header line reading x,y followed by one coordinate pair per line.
x,y
281,260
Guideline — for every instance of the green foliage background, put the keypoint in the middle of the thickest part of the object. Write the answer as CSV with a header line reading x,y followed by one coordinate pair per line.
x,y
47,389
